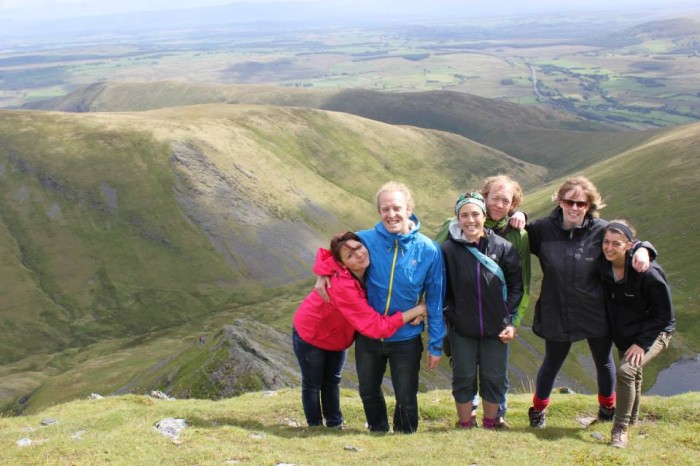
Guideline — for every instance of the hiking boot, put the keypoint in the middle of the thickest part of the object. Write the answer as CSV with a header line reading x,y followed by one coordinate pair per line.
x,y
537,418
501,424
606,414
618,436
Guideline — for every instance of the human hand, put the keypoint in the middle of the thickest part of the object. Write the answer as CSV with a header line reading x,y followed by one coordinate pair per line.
x,y
417,320
322,283
432,361
634,355
517,220
640,260
507,334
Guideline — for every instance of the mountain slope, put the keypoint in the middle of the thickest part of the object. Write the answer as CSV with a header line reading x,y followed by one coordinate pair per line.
x,y
559,141
118,224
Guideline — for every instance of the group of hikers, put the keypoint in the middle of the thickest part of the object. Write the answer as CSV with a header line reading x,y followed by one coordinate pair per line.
x,y
380,288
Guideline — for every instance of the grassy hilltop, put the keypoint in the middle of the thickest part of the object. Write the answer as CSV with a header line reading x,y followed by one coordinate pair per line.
x,y
132,239
268,428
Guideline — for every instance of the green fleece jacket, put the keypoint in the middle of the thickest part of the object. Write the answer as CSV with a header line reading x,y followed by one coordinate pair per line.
x,y
521,242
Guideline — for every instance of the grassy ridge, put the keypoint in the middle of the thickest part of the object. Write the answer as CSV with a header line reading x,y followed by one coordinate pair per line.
x,y
267,428
556,140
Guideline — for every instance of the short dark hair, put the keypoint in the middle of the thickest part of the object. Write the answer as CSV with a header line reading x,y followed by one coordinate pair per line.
x,y
339,240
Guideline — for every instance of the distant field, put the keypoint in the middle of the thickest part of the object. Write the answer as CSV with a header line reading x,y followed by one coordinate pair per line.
x,y
638,80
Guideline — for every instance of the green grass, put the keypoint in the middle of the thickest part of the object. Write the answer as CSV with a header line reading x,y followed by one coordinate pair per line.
x,y
268,428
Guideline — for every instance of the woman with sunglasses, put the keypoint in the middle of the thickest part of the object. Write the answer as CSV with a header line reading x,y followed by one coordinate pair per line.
x,y
484,288
323,331
571,306
641,317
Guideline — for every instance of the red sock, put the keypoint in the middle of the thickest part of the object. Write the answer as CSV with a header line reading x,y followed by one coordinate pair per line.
x,y
488,423
539,405
607,401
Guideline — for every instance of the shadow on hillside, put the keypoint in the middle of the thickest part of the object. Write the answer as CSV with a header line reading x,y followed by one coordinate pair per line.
x,y
279,430
558,433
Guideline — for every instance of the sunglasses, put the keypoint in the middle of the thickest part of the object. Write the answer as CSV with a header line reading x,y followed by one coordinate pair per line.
x,y
570,203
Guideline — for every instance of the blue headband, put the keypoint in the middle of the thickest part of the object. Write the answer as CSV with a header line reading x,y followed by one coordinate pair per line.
x,y
622,228
470,198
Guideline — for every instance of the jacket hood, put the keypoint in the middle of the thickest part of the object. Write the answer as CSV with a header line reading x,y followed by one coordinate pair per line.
x,y
325,264
403,239
457,235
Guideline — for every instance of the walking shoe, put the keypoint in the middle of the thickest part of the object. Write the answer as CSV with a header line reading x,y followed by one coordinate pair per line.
x,y
606,414
537,418
501,424
618,436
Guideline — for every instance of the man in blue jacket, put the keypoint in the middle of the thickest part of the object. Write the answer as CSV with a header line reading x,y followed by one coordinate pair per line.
x,y
405,266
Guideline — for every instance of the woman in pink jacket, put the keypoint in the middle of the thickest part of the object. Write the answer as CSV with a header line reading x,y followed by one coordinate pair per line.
x,y
323,332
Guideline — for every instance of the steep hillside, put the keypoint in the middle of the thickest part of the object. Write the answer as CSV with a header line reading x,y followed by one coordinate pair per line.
x,y
556,140
118,224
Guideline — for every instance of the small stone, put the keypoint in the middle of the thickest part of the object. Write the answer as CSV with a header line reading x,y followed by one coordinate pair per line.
x,y
171,427
257,436
48,421
24,442
566,391
270,393
351,448
160,395
597,436
586,421
78,435
95,396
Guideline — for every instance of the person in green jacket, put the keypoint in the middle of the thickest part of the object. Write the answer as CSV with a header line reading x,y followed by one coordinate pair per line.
x,y
502,195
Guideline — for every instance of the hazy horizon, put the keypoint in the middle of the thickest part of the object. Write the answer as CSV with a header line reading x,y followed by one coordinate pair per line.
x,y
35,11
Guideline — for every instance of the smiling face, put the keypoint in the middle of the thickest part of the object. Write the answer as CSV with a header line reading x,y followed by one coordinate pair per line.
x,y
354,257
394,212
471,220
574,203
615,247
499,200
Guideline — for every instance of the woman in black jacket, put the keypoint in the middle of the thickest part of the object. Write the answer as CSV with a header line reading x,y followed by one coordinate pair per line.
x,y
484,289
571,306
641,318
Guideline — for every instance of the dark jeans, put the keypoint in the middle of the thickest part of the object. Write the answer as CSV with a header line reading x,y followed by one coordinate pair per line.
x,y
320,382
555,355
371,357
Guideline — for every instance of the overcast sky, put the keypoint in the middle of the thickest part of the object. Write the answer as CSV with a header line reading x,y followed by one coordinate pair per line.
x,y
40,10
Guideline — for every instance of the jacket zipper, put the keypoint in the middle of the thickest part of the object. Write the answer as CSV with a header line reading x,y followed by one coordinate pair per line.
x,y
478,294
391,278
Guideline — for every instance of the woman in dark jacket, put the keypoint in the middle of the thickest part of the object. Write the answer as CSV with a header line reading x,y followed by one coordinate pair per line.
x,y
484,288
571,306
641,318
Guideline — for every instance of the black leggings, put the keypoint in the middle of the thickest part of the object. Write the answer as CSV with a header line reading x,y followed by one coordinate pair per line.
x,y
555,355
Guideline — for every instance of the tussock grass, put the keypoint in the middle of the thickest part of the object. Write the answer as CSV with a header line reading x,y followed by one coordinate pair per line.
x,y
265,428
